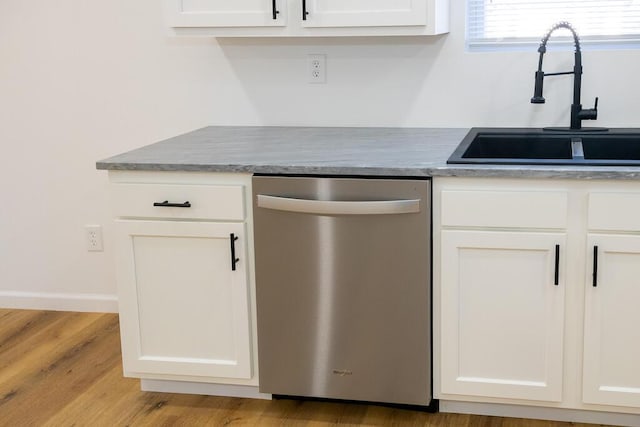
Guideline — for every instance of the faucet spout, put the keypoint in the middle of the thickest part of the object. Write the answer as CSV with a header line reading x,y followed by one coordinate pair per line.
x,y
577,112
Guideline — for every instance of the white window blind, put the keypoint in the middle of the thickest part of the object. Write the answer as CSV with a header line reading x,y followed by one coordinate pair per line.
x,y
495,23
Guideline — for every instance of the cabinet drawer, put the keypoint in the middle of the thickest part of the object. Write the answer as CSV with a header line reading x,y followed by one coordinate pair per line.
x,y
614,211
504,209
220,202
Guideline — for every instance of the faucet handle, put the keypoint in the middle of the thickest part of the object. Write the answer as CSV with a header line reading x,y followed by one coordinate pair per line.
x,y
589,113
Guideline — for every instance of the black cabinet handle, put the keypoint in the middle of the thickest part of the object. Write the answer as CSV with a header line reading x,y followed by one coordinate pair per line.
x,y
274,10
166,204
304,10
557,270
595,266
234,260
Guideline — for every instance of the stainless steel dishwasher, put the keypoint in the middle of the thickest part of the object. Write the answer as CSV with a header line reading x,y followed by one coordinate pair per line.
x,y
343,288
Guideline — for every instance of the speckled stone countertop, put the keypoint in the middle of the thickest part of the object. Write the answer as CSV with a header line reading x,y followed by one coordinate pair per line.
x,y
332,151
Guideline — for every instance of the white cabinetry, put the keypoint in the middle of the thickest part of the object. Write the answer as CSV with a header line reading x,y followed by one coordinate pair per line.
x,y
226,13
517,316
487,277
365,13
309,17
612,314
183,271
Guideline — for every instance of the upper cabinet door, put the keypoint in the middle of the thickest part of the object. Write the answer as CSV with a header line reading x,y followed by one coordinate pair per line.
x,y
364,13
226,13
611,334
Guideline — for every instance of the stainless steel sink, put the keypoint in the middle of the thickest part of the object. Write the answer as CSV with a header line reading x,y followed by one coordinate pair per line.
x,y
532,146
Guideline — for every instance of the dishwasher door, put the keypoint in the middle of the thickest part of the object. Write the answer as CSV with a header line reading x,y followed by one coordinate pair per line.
x,y
343,288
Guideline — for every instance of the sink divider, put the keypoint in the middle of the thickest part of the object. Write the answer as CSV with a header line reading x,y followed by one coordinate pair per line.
x,y
577,152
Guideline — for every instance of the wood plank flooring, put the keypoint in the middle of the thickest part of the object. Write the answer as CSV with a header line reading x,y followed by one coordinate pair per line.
x,y
64,369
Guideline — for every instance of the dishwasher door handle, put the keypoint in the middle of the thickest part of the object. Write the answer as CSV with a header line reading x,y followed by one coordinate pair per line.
x,y
323,207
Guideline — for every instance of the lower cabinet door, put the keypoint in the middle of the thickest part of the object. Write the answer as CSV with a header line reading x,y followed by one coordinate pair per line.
x,y
612,321
502,296
183,304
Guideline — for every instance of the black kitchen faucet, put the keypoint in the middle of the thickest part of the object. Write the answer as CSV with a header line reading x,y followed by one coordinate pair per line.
x,y
578,114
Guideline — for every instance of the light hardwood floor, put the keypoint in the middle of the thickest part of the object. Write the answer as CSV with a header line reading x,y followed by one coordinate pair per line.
x,y
64,369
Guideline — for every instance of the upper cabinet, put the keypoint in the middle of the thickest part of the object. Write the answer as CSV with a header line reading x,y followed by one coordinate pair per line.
x,y
237,18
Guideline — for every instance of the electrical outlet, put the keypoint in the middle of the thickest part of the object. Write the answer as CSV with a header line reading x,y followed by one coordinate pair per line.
x,y
317,68
93,235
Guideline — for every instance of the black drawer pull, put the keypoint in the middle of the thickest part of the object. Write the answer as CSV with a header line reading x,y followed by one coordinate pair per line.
x,y
234,260
166,204
595,266
557,270
304,10
274,9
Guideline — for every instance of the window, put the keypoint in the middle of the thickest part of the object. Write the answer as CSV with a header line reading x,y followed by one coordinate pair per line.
x,y
514,23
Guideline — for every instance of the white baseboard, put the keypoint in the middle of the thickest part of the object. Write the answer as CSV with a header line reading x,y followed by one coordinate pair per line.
x,y
540,413
98,303
229,390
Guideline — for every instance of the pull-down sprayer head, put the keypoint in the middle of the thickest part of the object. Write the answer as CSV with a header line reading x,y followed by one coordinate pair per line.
x,y
537,91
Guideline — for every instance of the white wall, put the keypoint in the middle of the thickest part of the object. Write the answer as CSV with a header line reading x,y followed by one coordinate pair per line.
x,y
81,80
423,82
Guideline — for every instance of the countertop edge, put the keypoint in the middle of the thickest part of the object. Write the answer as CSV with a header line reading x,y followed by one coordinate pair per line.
x,y
444,171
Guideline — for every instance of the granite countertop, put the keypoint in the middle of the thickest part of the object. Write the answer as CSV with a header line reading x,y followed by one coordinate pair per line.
x,y
332,151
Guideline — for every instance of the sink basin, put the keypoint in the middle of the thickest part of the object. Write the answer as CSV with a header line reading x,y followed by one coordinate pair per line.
x,y
518,146
530,146
619,148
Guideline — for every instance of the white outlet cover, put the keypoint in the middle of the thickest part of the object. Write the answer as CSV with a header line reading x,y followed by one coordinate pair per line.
x,y
93,236
317,68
